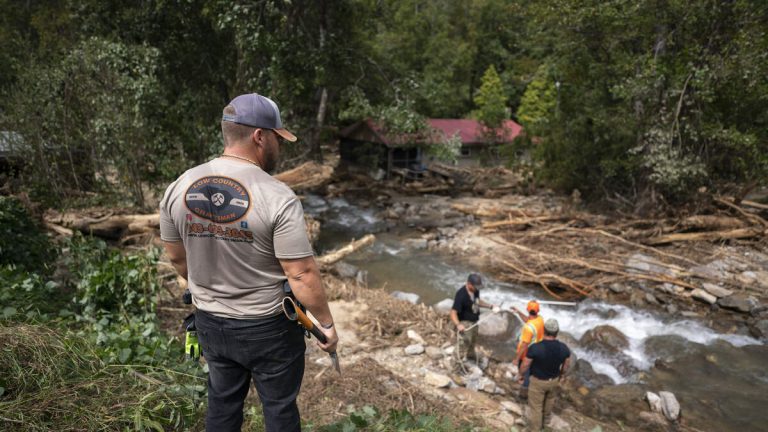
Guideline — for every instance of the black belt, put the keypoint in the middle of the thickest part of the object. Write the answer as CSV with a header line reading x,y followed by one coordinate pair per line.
x,y
544,379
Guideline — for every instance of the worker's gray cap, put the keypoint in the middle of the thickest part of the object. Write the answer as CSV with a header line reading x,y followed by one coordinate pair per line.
x,y
258,111
551,326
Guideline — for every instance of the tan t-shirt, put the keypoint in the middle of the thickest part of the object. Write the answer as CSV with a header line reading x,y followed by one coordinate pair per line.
x,y
236,221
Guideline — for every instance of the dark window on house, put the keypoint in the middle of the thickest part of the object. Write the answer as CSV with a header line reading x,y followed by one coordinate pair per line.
x,y
465,152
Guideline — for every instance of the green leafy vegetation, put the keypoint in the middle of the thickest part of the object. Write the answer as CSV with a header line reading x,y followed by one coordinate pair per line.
x,y
370,419
22,244
88,353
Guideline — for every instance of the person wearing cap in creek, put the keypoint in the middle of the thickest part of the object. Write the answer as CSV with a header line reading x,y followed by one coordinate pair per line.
x,y
465,314
532,332
237,234
547,362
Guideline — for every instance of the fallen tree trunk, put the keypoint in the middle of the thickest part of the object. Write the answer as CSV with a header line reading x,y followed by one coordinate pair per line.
x,y
308,175
110,226
338,254
712,222
742,233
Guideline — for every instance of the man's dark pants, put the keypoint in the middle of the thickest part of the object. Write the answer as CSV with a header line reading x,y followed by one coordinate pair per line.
x,y
270,350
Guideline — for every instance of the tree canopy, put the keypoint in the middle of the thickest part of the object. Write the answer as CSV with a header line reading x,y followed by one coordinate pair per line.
x,y
649,97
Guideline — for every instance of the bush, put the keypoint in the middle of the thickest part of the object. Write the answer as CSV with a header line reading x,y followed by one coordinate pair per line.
x,y
52,379
22,242
369,419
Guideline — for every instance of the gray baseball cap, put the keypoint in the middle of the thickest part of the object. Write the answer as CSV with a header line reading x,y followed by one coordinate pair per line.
x,y
551,325
258,111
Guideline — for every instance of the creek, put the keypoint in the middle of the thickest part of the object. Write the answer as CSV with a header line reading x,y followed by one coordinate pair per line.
x,y
721,380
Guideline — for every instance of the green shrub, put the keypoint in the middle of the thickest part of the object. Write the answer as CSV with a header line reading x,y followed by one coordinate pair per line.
x,y
22,242
369,419
52,379
25,295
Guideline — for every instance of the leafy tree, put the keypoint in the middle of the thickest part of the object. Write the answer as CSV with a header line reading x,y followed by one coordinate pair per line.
x,y
537,106
90,112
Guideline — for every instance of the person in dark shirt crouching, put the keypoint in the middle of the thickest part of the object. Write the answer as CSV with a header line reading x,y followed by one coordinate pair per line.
x,y
548,361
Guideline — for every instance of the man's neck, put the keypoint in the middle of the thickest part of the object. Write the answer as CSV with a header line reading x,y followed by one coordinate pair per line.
x,y
242,152
550,337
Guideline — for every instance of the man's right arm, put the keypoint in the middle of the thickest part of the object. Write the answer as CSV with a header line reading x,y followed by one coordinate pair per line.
x,y
307,285
178,256
455,320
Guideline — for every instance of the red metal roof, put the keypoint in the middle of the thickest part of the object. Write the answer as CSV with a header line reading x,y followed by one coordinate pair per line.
x,y
471,131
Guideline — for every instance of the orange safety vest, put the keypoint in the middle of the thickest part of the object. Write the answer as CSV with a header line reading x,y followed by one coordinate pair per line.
x,y
533,331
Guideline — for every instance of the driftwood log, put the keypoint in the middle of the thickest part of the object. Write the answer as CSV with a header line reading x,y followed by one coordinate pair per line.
x,y
129,226
338,254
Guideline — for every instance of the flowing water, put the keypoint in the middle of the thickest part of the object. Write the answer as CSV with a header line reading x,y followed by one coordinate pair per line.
x,y
721,380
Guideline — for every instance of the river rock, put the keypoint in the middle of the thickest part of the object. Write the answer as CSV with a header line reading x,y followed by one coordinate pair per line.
x,y
409,297
437,380
604,338
483,384
443,306
717,269
644,264
703,296
415,349
447,231
434,353
738,302
584,375
345,270
412,335
618,288
512,407
622,401
494,325
653,421
654,401
746,278
557,424
716,290
419,243
670,407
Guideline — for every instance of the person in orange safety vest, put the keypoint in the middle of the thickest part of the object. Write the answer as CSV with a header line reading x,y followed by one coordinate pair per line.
x,y
532,332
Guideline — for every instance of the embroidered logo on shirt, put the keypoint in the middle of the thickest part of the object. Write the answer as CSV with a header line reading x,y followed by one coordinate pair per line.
x,y
218,199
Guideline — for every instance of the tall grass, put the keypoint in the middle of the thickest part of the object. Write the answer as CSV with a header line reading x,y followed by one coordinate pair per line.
x,y
53,379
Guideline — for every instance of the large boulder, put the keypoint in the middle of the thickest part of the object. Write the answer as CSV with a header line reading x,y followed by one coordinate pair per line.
x,y
761,328
584,375
617,402
494,325
409,297
738,302
443,306
605,339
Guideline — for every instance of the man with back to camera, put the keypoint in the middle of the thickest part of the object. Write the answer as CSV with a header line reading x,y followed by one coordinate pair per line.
x,y
547,361
531,333
466,312
236,234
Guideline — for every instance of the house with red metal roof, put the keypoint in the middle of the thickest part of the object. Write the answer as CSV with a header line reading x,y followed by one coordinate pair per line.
x,y
368,144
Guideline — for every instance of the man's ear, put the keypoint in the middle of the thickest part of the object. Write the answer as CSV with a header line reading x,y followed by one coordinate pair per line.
x,y
258,136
